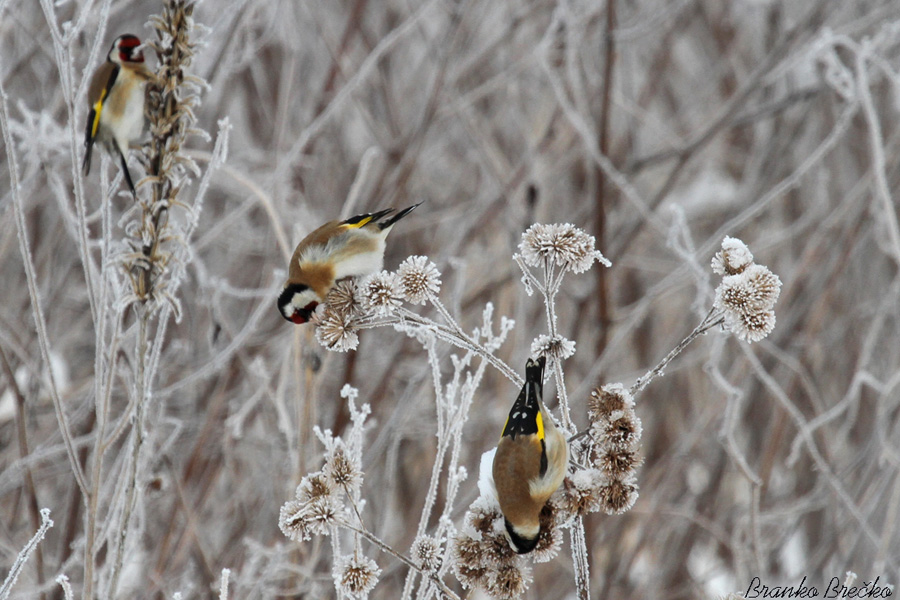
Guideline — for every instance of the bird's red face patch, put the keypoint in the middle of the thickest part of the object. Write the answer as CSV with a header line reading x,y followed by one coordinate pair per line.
x,y
303,315
127,49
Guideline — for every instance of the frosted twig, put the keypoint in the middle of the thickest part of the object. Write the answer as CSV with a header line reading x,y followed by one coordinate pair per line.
x,y
223,584
22,558
709,321
63,581
38,315
401,557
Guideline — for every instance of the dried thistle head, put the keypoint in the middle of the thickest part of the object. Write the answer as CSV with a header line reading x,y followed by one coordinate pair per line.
x,y
555,346
751,327
314,486
550,538
299,520
342,298
562,244
342,470
754,290
467,558
616,463
419,279
426,553
337,331
733,258
607,400
582,493
619,434
509,581
380,293
618,496
356,575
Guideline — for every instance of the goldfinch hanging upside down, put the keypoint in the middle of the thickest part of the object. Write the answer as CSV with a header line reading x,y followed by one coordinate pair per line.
x,y
116,100
530,463
336,250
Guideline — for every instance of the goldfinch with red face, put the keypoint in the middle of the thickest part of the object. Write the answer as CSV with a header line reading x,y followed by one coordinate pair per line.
x,y
336,250
116,100
530,463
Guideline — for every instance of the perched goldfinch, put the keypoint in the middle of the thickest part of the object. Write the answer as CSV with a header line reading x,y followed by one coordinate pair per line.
x,y
530,462
335,250
116,100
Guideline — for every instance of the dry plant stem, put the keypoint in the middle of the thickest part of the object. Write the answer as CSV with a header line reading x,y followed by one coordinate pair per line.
x,y
22,558
137,441
803,429
580,559
402,558
451,333
30,493
709,321
37,313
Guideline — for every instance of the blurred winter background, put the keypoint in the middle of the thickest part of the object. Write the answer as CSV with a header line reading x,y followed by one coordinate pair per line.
x,y
659,127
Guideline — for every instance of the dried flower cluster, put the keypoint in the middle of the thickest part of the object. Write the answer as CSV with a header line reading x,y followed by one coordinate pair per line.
x,y
356,575
318,505
562,244
610,485
748,292
172,98
352,303
482,556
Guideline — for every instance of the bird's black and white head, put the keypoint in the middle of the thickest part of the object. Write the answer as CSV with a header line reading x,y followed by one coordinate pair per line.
x,y
126,49
522,539
297,303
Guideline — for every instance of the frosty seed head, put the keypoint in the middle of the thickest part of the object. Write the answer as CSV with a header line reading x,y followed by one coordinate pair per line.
x,y
733,258
562,244
426,553
618,496
356,575
556,347
607,399
337,331
419,279
381,293
342,470
342,298
751,327
508,582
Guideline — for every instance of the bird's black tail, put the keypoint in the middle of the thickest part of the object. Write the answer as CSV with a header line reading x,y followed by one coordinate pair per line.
x,y
125,172
523,417
390,222
534,372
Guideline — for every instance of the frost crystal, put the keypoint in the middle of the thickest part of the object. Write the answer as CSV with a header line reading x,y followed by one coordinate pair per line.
x,y
560,243
356,575
381,293
556,347
732,258
419,279
337,331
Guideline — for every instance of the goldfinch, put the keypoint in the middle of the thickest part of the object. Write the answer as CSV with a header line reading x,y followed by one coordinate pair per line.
x,y
530,462
336,250
116,100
